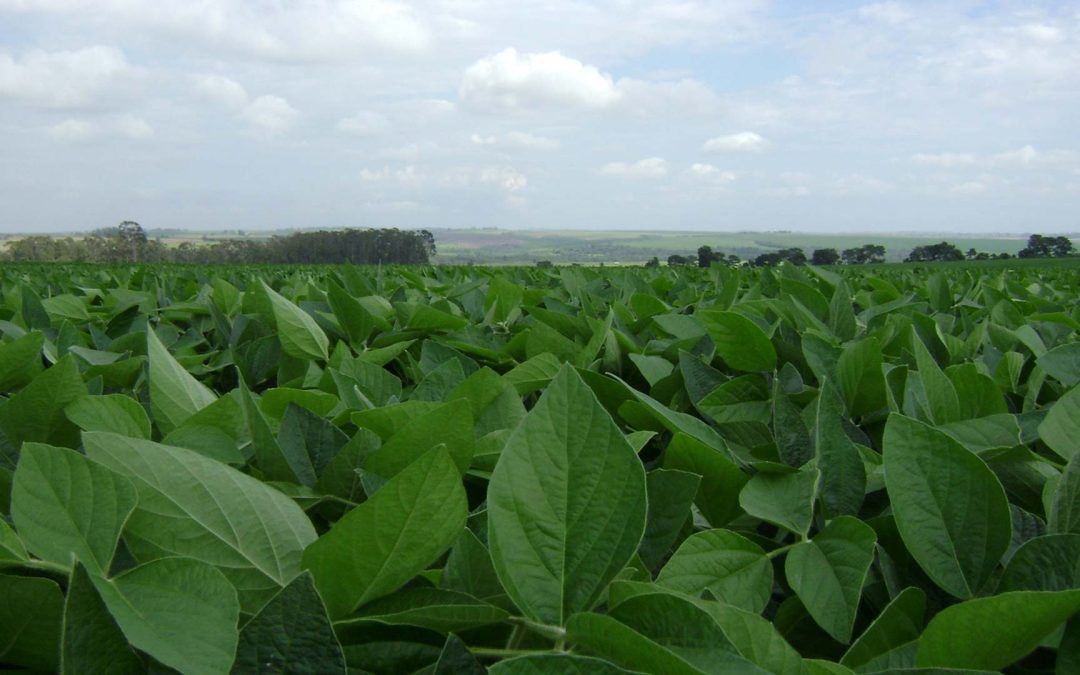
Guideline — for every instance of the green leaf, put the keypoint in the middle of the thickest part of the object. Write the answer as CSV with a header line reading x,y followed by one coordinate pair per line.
x,y
456,659
11,547
785,499
432,608
174,394
950,508
670,495
180,611
731,567
860,377
828,573
721,479
1061,428
1063,363
1047,563
739,341
352,316
390,538
36,413
1064,511
31,615
600,634
566,503
63,504
899,623
310,442
300,336
292,633
755,638
939,390
193,506
843,476
92,640
993,632
20,360
110,412
469,570
449,424
556,664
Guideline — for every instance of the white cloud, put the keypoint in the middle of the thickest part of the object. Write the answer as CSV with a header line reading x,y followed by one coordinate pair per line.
x,y
364,123
64,79
653,167
946,160
708,172
1028,156
887,12
508,81
269,114
223,90
507,178
517,140
73,131
483,140
969,188
744,141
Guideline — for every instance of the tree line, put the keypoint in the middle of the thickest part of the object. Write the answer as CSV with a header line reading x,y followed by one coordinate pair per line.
x,y
129,243
1038,246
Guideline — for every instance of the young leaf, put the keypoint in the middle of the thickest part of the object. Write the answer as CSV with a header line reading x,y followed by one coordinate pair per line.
x,y
110,412
174,394
721,479
950,508
828,573
843,476
670,495
739,341
785,499
36,412
899,623
63,504
1061,428
300,336
566,503
391,537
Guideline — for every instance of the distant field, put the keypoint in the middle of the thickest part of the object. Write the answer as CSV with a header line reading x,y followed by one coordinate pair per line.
x,y
525,247
565,246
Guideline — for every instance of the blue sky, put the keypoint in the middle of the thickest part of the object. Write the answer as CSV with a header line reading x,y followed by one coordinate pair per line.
x,y
592,114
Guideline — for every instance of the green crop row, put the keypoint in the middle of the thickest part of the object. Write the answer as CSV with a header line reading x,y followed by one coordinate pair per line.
x,y
456,470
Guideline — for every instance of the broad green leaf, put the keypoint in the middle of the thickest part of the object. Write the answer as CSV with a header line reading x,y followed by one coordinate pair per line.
x,y
20,361
1063,516
300,336
861,379
180,611
670,494
456,659
352,315
11,547
36,412
196,507
566,503
828,572
31,616
994,632
469,570
755,638
292,633
900,622
731,567
1047,563
450,424
391,537
721,479
940,393
843,476
950,508
785,499
1063,363
739,341
92,641
267,454
63,505
111,412
1061,428
174,394
309,441
618,643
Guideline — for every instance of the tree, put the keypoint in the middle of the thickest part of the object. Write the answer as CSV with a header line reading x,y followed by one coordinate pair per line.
x,y
795,256
767,260
942,252
545,264
133,236
653,262
705,256
861,255
676,260
1041,246
825,256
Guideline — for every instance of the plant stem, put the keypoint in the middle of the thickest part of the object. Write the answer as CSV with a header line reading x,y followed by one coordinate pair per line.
x,y
497,653
780,551
548,631
515,636
43,565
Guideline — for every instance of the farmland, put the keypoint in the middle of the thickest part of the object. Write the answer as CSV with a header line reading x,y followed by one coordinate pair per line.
x,y
790,470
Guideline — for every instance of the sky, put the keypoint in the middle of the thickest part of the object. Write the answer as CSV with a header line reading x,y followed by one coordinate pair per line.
x,y
717,115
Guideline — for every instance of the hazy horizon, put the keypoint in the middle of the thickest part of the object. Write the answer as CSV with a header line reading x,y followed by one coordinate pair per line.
x,y
676,115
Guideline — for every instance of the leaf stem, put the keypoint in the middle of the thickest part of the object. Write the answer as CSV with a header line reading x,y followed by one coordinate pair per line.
x,y
498,653
548,631
780,551
516,634
43,565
